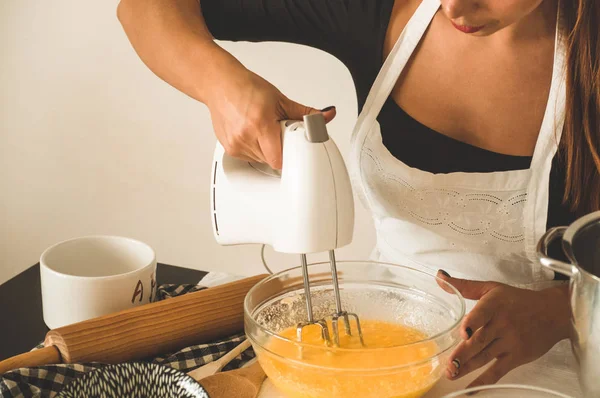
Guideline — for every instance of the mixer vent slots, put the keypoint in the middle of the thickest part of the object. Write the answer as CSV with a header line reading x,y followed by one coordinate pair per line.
x,y
214,197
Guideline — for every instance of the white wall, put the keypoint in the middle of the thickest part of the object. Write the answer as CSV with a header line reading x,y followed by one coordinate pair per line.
x,y
91,142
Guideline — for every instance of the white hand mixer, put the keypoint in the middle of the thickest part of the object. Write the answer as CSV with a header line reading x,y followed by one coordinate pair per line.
x,y
308,207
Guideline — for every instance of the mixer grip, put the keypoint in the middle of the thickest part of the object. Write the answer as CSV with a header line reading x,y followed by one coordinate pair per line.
x,y
307,208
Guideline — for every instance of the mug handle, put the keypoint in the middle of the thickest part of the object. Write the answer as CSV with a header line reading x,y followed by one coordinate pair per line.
x,y
542,252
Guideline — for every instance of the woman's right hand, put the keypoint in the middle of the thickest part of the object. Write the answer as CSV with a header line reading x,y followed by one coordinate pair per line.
x,y
246,110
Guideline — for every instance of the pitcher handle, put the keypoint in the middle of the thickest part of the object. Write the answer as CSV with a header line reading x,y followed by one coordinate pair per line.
x,y
542,252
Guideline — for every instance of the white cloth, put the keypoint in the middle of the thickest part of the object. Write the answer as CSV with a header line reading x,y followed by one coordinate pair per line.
x,y
481,226
213,279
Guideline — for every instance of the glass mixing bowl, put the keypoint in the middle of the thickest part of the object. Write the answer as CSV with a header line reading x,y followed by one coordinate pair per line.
x,y
375,292
507,391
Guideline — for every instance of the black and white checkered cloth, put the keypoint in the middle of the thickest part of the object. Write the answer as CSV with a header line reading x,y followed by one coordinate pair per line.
x,y
47,381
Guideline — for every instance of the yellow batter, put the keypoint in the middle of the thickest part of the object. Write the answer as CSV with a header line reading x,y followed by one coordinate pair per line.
x,y
305,381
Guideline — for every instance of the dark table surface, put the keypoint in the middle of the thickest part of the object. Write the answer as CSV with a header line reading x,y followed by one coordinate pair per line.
x,y
21,324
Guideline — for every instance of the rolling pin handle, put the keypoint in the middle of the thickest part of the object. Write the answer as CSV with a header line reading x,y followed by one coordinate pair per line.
x,y
44,356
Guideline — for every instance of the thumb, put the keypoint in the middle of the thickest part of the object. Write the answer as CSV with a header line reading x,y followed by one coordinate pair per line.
x,y
296,111
472,290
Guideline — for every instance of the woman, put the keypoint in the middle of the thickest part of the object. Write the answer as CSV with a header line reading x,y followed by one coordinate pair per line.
x,y
480,130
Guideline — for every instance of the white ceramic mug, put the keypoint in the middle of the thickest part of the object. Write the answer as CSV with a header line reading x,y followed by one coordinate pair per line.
x,y
91,276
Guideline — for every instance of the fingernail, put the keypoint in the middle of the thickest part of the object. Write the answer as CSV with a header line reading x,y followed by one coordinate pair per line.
x,y
441,271
469,332
456,363
328,108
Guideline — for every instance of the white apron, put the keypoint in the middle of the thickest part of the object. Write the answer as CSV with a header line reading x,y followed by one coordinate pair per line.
x,y
481,226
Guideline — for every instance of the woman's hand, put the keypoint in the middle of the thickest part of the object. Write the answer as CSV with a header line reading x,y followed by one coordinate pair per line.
x,y
173,40
509,326
246,110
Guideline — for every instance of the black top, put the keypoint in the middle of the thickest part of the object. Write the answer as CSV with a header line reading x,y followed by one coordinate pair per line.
x,y
354,32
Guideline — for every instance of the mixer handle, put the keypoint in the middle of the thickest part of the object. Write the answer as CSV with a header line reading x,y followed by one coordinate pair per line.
x,y
548,262
307,207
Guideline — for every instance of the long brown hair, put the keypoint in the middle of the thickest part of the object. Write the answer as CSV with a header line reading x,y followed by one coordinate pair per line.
x,y
580,145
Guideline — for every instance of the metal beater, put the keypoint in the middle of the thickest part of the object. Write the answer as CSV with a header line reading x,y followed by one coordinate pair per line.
x,y
335,317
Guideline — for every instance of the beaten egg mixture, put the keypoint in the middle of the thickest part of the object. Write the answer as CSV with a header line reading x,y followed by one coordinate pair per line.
x,y
315,372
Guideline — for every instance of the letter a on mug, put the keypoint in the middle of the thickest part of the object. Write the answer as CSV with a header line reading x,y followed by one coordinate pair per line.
x,y
139,290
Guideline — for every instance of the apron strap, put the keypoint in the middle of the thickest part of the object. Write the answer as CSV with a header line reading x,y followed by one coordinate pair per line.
x,y
394,64
536,207
384,84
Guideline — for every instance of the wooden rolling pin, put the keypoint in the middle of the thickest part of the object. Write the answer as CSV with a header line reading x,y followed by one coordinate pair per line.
x,y
145,331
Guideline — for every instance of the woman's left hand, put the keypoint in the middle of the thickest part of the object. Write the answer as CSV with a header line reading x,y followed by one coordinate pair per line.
x,y
509,325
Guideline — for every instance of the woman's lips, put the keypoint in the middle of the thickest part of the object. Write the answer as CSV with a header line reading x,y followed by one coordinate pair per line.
x,y
467,29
